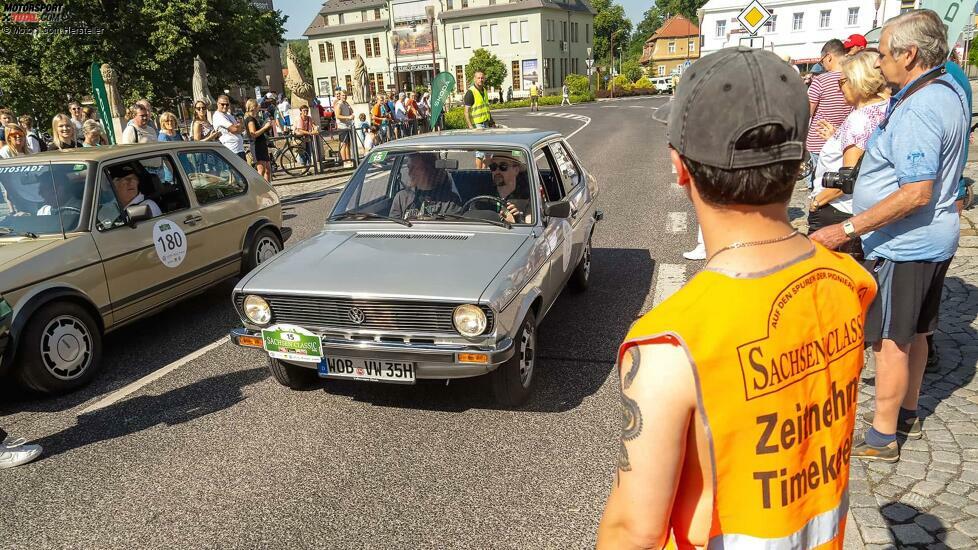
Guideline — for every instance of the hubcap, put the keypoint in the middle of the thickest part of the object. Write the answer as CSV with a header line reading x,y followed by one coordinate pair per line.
x,y
66,347
266,248
527,358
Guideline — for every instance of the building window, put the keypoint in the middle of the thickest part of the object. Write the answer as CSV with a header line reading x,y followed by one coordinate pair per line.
x,y
691,45
346,50
448,5
484,34
465,37
376,47
325,19
376,13
459,78
907,5
353,49
332,84
721,29
368,47
349,84
363,15
661,69
465,4
587,33
797,21
672,46
516,75
340,17
525,31
373,84
492,2
322,52
514,32
380,82
550,30
494,33
330,52
771,24
853,19
457,37
563,31
824,19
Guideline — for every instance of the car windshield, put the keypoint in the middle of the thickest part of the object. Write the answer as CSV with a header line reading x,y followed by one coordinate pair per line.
x,y
447,185
41,198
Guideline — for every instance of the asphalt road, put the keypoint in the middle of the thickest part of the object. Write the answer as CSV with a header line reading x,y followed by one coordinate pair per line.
x,y
216,454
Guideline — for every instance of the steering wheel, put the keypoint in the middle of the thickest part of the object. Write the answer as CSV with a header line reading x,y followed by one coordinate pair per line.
x,y
69,209
468,204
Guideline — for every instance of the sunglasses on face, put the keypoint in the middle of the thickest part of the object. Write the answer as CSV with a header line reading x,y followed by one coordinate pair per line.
x,y
199,108
15,136
499,166
223,104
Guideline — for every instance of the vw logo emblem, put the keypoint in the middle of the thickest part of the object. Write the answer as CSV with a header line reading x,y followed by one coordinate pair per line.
x,y
356,315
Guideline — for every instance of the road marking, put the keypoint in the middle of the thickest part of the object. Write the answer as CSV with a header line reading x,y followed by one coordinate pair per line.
x,y
671,278
678,222
124,392
672,167
572,116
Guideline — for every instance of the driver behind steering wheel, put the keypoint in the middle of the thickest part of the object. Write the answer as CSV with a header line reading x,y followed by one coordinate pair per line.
x,y
125,183
513,185
428,192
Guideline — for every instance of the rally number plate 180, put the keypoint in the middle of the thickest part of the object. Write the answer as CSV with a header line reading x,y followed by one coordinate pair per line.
x,y
359,368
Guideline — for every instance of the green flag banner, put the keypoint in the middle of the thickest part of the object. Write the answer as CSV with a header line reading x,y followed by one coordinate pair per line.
x,y
102,101
955,15
441,89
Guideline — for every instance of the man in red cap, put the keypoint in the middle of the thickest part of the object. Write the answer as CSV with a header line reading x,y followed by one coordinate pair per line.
x,y
854,44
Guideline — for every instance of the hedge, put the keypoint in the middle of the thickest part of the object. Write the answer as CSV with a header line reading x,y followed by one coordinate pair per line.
x,y
455,118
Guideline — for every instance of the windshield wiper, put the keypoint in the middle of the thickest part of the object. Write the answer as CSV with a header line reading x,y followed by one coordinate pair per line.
x,y
499,223
11,231
351,214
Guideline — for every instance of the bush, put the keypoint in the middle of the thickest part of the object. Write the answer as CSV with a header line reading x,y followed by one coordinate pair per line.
x,y
455,118
578,84
644,82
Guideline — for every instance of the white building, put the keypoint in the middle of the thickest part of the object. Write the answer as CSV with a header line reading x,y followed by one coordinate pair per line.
x,y
538,40
797,28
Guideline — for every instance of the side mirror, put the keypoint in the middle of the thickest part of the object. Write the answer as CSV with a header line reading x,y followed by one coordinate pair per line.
x,y
557,209
137,213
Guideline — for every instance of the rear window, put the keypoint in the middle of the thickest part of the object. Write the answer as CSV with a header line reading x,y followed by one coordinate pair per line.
x,y
41,198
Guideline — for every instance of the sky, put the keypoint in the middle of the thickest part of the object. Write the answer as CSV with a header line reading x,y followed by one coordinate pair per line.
x,y
301,12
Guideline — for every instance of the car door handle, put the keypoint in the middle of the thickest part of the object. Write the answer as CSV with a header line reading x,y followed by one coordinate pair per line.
x,y
193,219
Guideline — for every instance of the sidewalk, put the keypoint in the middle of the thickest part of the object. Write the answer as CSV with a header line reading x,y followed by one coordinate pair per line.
x,y
289,186
929,499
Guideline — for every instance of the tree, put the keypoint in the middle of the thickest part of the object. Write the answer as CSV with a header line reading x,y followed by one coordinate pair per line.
x,y
610,18
151,44
494,69
651,21
631,69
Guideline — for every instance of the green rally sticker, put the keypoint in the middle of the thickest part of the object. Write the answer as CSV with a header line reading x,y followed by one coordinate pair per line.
x,y
292,343
379,156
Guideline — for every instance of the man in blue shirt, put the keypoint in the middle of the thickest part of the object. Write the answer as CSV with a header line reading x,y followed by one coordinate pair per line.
x,y
904,212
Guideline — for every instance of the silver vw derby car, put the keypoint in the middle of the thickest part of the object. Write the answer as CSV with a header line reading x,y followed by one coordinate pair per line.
x,y
442,255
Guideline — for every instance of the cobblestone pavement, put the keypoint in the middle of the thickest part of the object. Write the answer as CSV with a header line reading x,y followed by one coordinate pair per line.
x,y
289,188
928,499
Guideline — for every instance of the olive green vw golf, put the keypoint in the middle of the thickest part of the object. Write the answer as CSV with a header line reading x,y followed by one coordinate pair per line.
x,y
94,238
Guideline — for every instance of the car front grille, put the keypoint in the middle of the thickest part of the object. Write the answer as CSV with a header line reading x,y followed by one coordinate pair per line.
x,y
377,315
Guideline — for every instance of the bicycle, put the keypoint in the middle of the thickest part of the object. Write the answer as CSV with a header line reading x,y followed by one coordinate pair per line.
x,y
287,158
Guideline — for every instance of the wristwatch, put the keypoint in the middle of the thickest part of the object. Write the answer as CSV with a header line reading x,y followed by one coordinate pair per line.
x,y
849,229
815,205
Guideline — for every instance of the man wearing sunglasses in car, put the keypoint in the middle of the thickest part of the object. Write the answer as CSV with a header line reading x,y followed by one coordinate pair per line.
x,y
511,181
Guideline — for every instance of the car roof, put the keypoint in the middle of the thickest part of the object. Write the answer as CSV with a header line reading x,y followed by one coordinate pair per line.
x,y
99,154
503,137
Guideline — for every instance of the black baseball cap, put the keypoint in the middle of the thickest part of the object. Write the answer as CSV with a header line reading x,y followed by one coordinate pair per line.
x,y
121,171
724,95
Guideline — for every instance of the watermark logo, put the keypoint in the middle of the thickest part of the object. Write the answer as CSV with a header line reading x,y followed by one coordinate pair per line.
x,y
36,18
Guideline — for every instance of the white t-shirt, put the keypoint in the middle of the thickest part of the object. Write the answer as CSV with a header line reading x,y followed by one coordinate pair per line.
x,y
399,112
223,122
146,134
284,107
5,152
854,131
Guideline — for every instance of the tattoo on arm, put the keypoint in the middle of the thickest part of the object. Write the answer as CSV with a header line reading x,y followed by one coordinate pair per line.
x,y
631,425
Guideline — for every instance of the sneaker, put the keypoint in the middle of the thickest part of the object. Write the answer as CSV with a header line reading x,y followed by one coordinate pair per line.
x,y
865,451
14,452
698,253
910,429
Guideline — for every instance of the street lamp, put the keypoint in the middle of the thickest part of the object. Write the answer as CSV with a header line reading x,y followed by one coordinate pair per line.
x,y
430,12
612,71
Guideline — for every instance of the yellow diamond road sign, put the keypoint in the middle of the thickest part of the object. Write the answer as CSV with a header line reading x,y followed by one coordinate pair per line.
x,y
753,17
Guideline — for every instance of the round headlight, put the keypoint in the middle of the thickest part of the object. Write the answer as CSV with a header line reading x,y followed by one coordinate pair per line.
x,y
257,310
469,320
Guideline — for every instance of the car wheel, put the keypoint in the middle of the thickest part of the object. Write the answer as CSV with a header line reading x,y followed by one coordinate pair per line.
x,y
264,245
512,382
581,277
60,349
292,376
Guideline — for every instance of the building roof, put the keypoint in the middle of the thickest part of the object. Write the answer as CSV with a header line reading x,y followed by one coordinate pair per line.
x,y
315,30
341,6
518,5
676,26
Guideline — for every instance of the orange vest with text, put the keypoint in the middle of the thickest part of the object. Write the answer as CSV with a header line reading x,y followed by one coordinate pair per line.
x,y
776,357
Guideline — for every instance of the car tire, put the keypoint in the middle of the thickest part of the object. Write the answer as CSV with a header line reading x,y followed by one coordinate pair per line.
x,y
292,376
512,382
60,349
264,245
581,277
